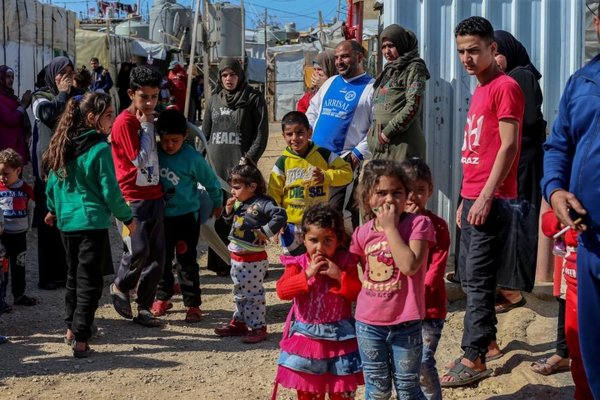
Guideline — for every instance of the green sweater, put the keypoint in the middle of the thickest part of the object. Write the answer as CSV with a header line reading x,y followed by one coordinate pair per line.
x,y
89,194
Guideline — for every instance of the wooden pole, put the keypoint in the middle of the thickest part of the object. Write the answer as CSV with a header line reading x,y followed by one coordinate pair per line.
x,y
206,54
191,64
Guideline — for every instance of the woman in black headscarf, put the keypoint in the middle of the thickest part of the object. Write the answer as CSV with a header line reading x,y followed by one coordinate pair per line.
x,y
48,104
235,124
396,132
323,68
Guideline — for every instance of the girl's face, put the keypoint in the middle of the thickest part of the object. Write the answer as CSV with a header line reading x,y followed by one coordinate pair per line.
x,y
320,241
8,174
242,191
389,190
105,122
10,78
420,194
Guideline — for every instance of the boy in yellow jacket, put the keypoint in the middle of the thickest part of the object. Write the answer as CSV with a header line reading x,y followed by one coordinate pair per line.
x,y
302,177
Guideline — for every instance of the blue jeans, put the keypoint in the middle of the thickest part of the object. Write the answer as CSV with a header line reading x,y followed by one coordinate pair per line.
x,y
391,354
430,380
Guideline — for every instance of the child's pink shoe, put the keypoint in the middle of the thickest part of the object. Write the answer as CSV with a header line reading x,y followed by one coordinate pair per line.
x,y
194,314
160,307
233,328
256,335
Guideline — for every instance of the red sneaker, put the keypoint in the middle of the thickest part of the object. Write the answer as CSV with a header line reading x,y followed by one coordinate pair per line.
x,y
234,328
256,335
160,307
194,314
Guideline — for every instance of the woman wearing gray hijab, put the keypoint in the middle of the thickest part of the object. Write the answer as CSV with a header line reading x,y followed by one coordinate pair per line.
x,y
235,124
48,104
396,133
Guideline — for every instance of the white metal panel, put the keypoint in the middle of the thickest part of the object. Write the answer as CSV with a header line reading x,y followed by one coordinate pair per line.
x,y
551,30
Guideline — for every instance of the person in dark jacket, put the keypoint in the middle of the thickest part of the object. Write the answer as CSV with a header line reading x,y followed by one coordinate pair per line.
x,y
518,271
101,80
396,133
48,104
235,124
570,185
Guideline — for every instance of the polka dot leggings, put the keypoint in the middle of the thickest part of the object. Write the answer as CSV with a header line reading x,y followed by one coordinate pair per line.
x,y
247,273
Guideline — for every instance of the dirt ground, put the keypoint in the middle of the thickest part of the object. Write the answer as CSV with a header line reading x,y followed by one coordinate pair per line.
x,y
186,361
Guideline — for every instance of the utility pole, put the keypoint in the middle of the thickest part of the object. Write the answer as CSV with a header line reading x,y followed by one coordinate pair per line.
x,y
191,64
339,6
205,53
243,32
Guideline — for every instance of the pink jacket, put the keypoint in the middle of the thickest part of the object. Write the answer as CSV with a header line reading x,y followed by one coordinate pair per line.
x,y
11,126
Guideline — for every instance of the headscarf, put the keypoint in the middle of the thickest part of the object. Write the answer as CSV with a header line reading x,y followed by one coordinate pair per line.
x,y
4,89
52,70
515,53
408,50
238,96
326,60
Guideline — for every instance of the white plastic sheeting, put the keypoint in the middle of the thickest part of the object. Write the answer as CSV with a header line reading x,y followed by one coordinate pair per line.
x,y
287,66
551,30
32,34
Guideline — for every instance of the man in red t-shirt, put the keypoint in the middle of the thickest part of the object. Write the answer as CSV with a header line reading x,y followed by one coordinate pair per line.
x,y
136,165
490,154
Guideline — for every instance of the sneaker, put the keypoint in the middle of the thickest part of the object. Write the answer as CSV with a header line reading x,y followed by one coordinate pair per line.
x,y
256,335
160,307
234,328
194,314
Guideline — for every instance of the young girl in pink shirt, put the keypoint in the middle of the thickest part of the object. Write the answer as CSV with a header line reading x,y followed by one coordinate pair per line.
x,y
393,247
319,353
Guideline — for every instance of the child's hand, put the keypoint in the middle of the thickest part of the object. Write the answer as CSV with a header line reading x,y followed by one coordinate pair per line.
x,y
50,219
388,216
261,238
317,176
216,212
132,227
229,205
412,208
331,270
141,117
317,263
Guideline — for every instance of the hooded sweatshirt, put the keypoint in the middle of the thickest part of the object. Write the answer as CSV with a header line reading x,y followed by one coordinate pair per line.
x,y
235,123
396,132
85,198
290,185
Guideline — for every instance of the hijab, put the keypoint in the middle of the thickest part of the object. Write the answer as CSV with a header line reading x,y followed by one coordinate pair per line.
x,y
52,70
326,60
239,96
407,45
515,53
4,89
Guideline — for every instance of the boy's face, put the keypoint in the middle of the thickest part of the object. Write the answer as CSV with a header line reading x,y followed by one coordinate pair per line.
x,y
476,54
296,137
144,99
420,194
8,174
171,142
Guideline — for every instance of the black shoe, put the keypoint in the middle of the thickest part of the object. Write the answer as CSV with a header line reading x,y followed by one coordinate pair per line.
x,y
47,285
60,283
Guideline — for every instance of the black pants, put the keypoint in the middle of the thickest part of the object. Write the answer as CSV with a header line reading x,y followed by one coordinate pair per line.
x,y
561,339
337,197
181,238
87,253
480,257
143,264
214,262
15,245
52,264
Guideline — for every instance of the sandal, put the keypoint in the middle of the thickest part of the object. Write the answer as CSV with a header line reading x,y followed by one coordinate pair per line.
x,y
25,301
194,314
543,367
451,277
81,353
464,376
120,302
145,318
3,339
505,306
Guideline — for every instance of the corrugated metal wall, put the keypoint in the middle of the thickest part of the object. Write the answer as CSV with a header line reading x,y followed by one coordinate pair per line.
x,y
551,30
